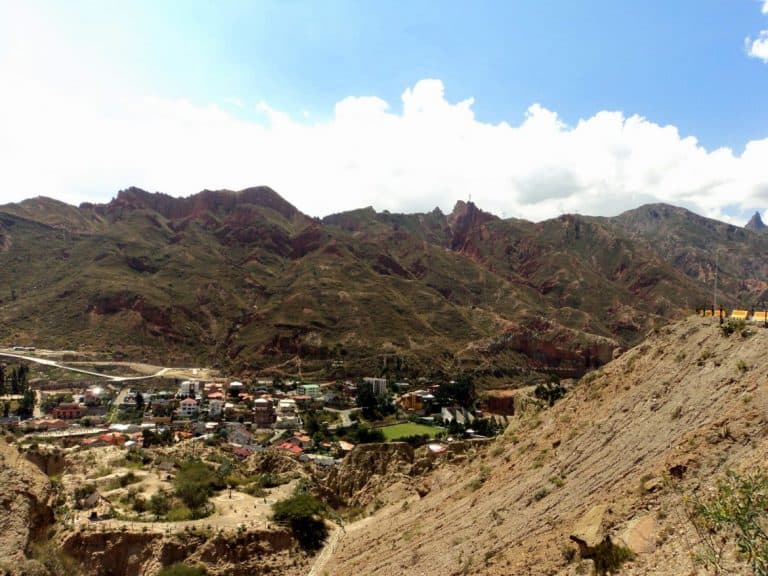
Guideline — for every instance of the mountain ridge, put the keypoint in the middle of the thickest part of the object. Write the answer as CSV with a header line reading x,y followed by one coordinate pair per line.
x,y
246,280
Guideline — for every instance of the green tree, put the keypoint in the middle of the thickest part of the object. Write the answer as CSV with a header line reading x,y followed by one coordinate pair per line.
x,y
27,404
159,505
139,403
460,391
180,569
367,401
195,483
304,515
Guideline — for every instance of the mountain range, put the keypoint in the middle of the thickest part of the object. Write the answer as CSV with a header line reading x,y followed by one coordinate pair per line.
x,y
247,282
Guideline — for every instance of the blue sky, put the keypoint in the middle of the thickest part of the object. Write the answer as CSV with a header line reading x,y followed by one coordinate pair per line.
x,y
539,71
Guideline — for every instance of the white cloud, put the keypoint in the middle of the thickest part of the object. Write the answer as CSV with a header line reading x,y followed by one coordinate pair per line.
x,y
765,6
75,129
431,154
758,48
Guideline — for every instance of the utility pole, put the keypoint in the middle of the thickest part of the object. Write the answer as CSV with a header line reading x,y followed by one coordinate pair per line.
x,y
714,297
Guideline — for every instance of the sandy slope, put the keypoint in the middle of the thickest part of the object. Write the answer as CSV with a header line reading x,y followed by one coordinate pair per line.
x,y
686,397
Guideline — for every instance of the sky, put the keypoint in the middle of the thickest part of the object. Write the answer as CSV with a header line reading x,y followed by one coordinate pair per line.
x,y
531,108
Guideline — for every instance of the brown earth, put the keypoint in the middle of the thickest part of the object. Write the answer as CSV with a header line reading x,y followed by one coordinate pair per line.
x,y
618,456
25,508
246,283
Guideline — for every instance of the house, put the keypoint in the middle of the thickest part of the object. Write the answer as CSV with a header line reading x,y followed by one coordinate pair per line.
x,y
188,408
263,413
68,411
290,447
411,402
302,440
311,390
215,406
378,385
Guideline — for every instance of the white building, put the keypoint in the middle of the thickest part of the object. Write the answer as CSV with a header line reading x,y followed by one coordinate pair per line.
x,y
378,385
215,407
311,390
188,388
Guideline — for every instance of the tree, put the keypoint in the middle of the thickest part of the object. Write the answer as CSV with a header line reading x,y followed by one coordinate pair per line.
x,y
367,401
159,505
195,483
6,409
139,403
27,404
550,391
461,391
304,514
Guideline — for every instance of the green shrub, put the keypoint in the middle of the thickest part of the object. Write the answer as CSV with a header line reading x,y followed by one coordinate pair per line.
x,y
304,515
139,505
179,514
738,512
609,557
180,569
159,504
195,483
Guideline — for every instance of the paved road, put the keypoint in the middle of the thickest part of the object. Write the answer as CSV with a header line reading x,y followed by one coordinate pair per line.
x,y
47,362
346,421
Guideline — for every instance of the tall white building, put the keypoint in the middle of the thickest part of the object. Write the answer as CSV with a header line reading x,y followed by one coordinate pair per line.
x,y
378,385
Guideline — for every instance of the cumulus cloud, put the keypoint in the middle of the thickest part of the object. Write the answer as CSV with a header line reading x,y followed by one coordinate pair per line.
x,y
758,48
433,153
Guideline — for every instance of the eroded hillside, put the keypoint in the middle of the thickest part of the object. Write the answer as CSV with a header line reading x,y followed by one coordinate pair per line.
x,y
245,281
617,456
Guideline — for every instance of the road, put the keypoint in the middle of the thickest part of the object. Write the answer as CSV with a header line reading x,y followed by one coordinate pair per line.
x,y
346,421
55,364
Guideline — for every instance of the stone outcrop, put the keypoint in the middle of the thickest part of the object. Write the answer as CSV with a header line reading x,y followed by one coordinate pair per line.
x,y
368,469
118,553
756,223
25,505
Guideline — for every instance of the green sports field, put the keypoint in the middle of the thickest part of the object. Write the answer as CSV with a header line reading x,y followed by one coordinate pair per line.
x,y
409,429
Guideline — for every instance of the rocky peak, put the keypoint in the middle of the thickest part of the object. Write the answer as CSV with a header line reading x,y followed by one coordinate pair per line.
x,y
465,219
225,201
756,223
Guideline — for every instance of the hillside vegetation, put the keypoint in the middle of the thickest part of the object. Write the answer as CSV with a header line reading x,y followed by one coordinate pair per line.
x,y
245,281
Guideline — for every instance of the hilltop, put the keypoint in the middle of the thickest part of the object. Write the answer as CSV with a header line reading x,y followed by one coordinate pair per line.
x,y
620,455
246,282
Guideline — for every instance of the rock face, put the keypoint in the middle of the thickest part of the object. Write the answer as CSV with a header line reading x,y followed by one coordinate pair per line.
x,y
368,469
25,511
117,553
756,223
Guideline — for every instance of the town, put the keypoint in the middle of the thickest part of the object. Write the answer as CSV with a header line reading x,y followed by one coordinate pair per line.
x,y
312,421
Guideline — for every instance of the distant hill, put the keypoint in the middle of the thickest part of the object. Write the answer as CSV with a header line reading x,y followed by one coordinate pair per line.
x,y
245,281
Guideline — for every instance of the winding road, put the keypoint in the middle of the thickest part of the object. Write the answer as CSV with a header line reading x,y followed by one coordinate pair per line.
x,y
55,364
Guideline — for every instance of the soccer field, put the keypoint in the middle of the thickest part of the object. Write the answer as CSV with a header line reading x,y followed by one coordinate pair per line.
x,y
409,429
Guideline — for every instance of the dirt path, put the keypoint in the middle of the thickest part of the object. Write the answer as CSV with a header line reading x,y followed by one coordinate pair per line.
x,y
336,536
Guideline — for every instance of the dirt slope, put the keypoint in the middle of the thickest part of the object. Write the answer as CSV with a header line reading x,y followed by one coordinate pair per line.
x,y
25,511
662,421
